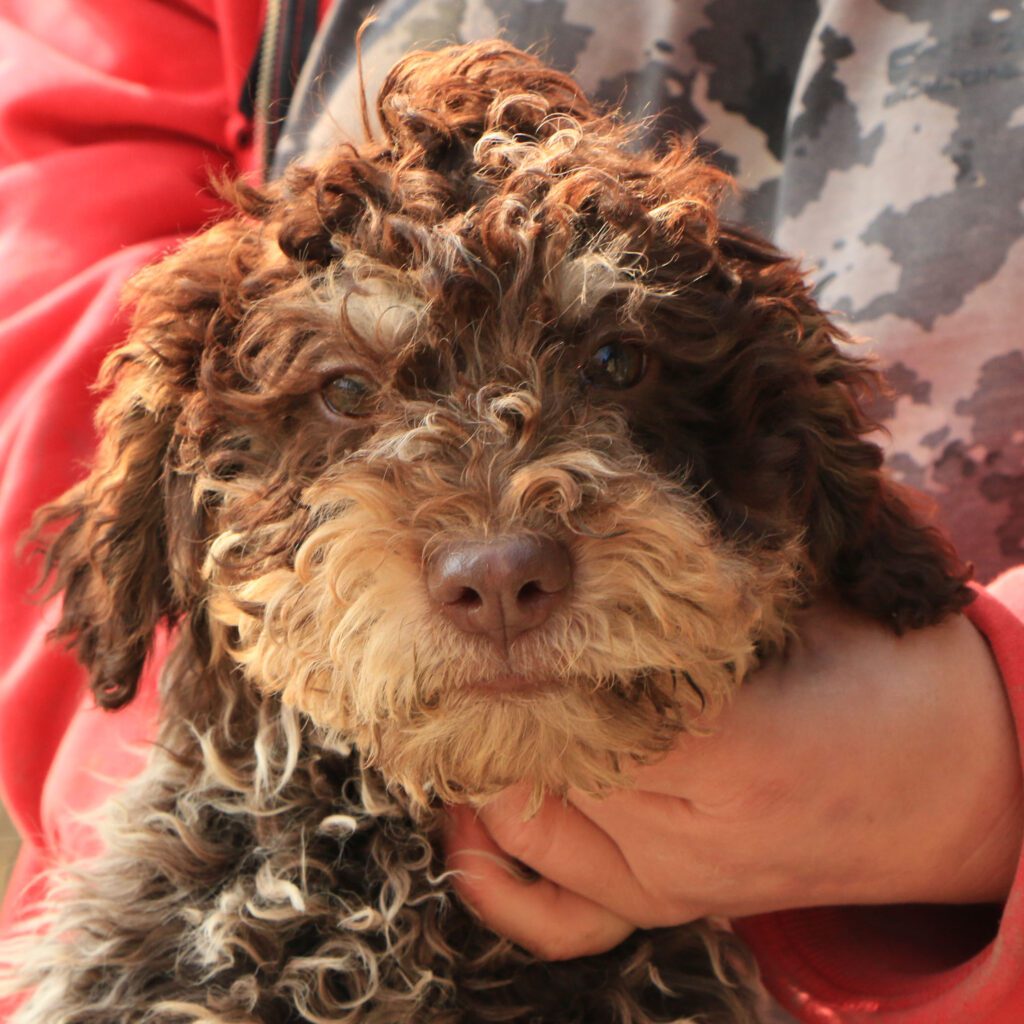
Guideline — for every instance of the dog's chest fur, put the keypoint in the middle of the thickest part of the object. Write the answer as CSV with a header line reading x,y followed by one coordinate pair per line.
x,y
332,904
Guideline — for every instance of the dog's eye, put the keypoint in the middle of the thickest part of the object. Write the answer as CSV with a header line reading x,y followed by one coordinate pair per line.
x,y
615,365
350,394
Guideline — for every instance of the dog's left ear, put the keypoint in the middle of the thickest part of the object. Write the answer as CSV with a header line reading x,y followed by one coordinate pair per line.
x,y
106,539
893,564
871,541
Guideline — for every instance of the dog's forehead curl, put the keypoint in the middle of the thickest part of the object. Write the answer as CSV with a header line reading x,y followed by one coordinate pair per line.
x,y
581,283
377,303
355,307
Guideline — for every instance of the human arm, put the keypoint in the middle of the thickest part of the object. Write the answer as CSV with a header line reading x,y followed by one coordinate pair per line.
x,y
888,779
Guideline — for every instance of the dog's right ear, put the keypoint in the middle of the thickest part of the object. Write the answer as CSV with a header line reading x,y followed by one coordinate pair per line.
x,y
106,539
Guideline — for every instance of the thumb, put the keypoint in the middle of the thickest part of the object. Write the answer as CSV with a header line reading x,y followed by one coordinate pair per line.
x,y
551,922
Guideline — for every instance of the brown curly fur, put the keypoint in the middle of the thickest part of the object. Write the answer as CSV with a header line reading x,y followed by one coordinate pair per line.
x,y
275,863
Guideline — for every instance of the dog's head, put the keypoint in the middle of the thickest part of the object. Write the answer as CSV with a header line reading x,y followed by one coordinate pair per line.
x,y
485,445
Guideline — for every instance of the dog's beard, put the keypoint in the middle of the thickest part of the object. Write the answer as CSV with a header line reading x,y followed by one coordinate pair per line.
x,y
663,621
471,745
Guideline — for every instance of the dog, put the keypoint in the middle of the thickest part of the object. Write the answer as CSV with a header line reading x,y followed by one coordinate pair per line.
x,y
481,453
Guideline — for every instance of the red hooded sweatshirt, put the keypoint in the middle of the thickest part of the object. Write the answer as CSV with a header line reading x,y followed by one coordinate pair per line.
x,y
106,148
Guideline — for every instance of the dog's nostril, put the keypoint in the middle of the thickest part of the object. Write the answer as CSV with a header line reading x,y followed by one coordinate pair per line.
x,y
531,593
467,598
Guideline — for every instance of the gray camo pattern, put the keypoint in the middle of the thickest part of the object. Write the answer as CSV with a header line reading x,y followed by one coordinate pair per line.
x,y
881,140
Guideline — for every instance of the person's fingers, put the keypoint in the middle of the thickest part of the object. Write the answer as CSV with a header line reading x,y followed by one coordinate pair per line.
x,y
566,847
549,921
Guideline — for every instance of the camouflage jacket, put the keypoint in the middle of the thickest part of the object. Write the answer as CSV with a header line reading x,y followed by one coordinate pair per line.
x,y
880,140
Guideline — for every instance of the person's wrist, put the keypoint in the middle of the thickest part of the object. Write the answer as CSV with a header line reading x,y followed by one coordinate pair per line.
x,y
981,861
925,759
971,803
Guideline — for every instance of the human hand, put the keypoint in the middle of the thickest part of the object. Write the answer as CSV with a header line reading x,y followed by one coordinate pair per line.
x,y
862,768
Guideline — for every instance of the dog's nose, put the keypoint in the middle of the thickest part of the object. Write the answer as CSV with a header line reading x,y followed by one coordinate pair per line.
x,y
502,587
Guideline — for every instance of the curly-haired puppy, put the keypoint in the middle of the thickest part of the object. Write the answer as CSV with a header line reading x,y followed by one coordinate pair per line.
x,y
480,454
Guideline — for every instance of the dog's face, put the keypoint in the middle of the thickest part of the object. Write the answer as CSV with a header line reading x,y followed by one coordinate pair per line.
x,y
485,446
478,570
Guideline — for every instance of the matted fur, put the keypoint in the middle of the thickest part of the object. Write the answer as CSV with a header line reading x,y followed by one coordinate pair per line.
x,y
276,862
